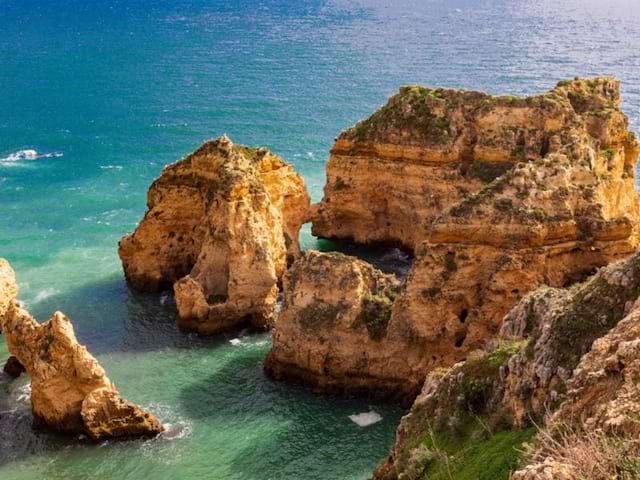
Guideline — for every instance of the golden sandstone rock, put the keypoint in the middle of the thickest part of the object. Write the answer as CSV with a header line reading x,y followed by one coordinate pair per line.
x,y
567,357
336,308
495,196
219,228
70,391
8,288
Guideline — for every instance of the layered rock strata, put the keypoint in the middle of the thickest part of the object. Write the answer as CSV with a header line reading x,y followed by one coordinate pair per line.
x,y
562,205
391,175
569,351
70,391
335,312
219,227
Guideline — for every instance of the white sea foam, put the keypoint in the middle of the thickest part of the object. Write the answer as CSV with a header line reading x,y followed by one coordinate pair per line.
x,y
28,154
235,341
111,167
365,419
24,394
44,294
177,430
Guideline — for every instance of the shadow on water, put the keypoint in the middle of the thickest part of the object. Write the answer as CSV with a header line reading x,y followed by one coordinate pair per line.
x,y
289,424
110,317
219,384
387,258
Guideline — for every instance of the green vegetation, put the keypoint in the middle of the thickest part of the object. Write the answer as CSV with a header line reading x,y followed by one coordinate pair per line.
x,y
376,310
319,314
488,171
477,386
461,432
252,153
608,152
596,306
478,454
410,110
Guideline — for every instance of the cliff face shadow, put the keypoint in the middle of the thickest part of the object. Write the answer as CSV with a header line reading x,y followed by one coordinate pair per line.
x,y
387,258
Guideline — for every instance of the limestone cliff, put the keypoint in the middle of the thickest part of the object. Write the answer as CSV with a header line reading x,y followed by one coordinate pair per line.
x,y
335,311
569,351
391,175
562,204
70,391
219,227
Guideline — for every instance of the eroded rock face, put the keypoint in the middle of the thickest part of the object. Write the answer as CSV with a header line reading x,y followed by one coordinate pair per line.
x,y
560,203
335,314
219,227
391,175
8,288
565,356
70,391
105,414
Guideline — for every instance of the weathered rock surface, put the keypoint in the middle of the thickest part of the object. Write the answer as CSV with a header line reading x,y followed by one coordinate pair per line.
x,y
70,391
559,203
335,314
8,288
391,175
219,227
570,351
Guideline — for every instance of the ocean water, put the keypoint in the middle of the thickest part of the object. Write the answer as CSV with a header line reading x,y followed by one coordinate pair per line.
x,y
96,96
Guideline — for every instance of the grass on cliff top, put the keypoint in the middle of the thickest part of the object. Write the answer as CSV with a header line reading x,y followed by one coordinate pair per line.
x,y
411,110
476,455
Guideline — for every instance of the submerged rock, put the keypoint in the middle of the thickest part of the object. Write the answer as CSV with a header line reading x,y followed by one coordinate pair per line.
x,y
335,314
219,228
70,391
559,203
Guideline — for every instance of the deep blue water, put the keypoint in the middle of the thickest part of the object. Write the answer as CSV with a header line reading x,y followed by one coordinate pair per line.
x,y
107,92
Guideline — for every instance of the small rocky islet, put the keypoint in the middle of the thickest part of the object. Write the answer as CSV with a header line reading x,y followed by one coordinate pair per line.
x,y
515,337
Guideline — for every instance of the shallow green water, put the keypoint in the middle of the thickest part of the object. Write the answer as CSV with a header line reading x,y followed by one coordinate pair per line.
x,y
95,97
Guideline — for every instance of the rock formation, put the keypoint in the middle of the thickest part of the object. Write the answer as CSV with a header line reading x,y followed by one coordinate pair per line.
x,y
70,391
8,288
335,311
391,175
569,351
505,194
219,227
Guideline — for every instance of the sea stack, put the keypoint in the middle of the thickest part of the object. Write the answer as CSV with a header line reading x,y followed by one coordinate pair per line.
x,y
220,226
70,391
495,195
335,309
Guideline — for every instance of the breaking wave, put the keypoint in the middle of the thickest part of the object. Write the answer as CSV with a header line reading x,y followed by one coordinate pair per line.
x,y
27,155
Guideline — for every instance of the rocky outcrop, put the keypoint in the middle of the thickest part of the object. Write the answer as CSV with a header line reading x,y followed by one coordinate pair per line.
x,y
560,202
8,288
219,227
335,313
70,391
569,351
600,411
391,175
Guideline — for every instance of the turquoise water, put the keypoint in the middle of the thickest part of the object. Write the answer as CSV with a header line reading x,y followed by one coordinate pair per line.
x,y
96,96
